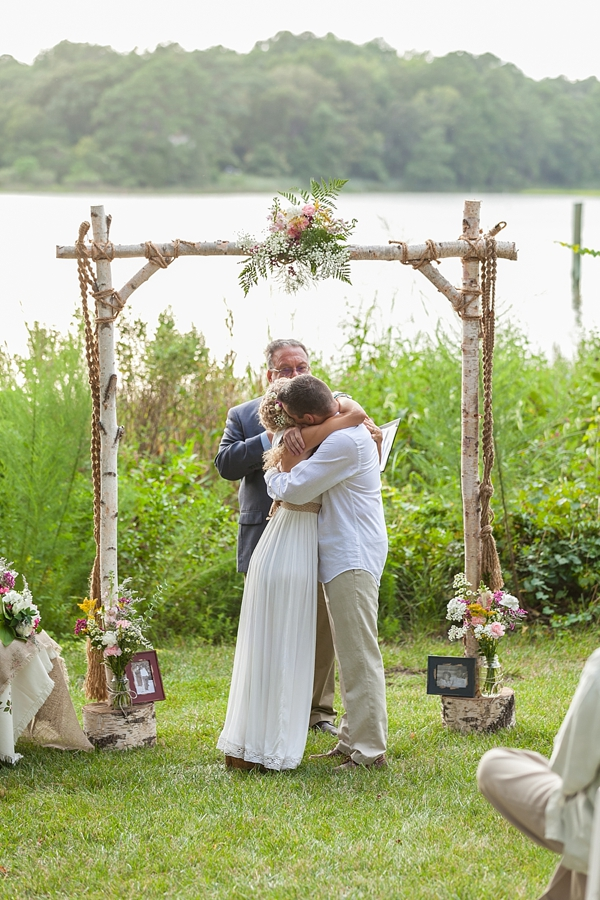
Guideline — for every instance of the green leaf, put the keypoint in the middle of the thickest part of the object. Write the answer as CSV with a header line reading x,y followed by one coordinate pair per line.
x,y
6,635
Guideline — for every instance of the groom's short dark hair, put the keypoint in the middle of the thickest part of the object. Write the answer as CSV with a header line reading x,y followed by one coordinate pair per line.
x,y
306,394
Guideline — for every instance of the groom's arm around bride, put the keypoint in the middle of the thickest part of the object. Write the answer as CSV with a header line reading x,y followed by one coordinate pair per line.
x,y
352,552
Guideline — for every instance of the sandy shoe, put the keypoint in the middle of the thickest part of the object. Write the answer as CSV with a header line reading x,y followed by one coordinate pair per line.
x,y
336,753
351,766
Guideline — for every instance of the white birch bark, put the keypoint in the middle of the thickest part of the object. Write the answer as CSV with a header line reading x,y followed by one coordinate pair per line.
x,y
471,323
384,253
109,432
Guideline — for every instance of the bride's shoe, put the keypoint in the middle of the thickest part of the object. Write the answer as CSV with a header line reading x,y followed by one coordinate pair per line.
x,y
234,762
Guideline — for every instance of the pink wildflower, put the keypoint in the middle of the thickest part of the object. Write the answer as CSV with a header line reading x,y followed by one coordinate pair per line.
x,y
112,651
477,620
497,629
308,210
122,623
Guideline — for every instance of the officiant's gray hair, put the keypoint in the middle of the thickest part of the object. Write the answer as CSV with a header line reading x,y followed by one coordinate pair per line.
x,y
274,347
306,394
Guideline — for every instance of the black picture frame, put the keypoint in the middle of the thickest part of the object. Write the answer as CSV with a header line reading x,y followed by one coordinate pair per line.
x,y
145,680
452,676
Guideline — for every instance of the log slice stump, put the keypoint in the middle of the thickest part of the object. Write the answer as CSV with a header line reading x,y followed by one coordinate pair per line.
x,y
115,729
483,715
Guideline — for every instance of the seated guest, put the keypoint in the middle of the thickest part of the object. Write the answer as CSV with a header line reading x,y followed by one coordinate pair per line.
x,y
552,801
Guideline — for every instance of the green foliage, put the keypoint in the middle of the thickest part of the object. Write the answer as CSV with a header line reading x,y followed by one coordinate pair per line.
x,y
177,543
582,251
177,526
45,492
295,106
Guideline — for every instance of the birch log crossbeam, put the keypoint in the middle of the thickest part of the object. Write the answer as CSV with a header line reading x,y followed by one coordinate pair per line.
x,y
385,253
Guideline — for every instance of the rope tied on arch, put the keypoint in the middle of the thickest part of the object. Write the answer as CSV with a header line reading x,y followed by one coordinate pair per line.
x,y
490,562
95,679
431,254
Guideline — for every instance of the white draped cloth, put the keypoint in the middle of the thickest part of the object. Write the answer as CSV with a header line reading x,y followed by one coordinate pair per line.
x,y
35,675
271,688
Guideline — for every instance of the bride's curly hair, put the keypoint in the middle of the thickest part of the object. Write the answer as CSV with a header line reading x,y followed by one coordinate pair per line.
x,y
274,417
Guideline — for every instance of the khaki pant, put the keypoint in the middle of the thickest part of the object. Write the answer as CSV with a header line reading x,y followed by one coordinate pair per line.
x,y
324,680
352,600
518,783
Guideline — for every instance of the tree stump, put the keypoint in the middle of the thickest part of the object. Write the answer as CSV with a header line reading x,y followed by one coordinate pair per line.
x,y
479,714
115,729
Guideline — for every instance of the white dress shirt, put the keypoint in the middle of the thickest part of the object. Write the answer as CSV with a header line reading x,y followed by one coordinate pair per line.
x,y
576,758
351,525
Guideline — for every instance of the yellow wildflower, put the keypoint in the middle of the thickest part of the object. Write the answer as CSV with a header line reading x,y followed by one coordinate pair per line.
x,y
89,608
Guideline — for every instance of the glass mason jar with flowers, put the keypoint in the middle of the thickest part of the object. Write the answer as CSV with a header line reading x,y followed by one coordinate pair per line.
x,y
490,615
118,632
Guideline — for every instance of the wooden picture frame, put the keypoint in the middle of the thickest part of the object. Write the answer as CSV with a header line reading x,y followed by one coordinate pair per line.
x,y
145,681
452,676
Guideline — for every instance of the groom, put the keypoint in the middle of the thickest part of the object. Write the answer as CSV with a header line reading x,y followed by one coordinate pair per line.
x,y
352,553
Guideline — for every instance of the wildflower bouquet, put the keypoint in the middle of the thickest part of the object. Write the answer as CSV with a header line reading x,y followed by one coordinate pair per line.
x,y
306,243
118,632
490,614
19,617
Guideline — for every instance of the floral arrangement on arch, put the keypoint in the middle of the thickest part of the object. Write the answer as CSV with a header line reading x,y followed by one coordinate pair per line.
x,y
118,632
306,242
20,616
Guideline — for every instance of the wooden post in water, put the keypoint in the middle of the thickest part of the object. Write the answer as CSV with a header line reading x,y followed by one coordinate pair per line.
x,y
576,263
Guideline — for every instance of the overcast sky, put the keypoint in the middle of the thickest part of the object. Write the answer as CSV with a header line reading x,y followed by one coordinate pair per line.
x,y
541,38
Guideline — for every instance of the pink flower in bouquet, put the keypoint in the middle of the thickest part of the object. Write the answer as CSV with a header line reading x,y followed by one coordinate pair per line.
x,y
122,623
497,629
115,650
478,620
308,210
4,590
486,598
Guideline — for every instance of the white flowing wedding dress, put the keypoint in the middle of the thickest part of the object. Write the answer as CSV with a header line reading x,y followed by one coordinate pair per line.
x,y
270,697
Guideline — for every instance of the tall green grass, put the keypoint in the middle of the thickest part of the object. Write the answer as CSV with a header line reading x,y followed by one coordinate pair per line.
x,y
178,520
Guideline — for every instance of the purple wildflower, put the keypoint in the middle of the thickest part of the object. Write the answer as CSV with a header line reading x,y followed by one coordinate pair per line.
x,y
80,626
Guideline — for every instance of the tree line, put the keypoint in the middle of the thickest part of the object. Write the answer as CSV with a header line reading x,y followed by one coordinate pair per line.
x,y
295,107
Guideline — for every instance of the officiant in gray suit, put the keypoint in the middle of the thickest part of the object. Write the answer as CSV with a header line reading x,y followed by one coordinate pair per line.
x,y
240,457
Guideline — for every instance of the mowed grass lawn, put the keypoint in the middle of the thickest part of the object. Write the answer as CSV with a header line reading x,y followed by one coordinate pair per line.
x,y
173,822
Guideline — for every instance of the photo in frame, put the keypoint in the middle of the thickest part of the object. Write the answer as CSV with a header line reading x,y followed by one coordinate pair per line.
x,y
145,681
452,676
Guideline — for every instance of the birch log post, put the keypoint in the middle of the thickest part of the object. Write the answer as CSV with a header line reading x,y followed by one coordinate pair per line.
x,y
109,431
471,331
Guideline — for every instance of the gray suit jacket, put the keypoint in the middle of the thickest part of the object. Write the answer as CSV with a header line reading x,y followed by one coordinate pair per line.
x,y
240,457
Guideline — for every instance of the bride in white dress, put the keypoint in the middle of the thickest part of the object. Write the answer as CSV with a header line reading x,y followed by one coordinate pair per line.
x,y
271,687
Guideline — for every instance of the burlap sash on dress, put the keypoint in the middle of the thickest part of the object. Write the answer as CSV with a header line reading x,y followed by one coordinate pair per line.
x,y
301,507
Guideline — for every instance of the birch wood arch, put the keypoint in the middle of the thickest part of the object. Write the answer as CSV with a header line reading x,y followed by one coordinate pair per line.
x,y
465,300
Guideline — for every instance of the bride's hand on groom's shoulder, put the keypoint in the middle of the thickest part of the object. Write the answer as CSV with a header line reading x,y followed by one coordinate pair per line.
x,y
292,439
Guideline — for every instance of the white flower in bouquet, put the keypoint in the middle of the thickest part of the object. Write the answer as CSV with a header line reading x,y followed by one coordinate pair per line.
x,y
16,601
110,639
456,610
455,633
509,601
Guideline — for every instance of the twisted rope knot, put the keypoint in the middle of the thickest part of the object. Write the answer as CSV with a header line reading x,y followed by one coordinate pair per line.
x,y
154,255
431,254
104,250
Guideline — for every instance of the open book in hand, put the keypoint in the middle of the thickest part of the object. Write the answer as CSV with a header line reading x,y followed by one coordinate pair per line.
x,y
389,434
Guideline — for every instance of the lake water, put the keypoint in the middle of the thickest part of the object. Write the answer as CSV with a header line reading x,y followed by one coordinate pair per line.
x,y
534,292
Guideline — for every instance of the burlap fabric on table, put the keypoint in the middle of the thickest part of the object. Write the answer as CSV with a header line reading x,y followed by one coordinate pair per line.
x,y
56,724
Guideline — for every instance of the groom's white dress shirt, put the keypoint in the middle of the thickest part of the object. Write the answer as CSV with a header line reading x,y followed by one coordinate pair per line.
x,y
345,470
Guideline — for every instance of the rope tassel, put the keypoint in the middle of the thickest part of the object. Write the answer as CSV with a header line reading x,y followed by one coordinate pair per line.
x,y
491,571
